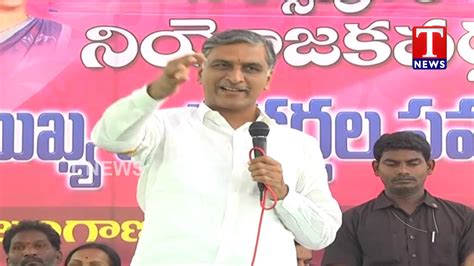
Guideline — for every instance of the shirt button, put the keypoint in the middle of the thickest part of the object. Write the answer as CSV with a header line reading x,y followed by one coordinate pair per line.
x,y
412,237
413,255
411,220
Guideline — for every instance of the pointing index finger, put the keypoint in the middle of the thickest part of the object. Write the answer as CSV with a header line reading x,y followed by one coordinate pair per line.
x,y
194,59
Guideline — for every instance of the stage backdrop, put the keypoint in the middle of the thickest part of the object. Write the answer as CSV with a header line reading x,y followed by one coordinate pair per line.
x,y
344,75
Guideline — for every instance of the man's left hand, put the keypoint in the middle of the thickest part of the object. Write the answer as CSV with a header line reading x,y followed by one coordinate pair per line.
x,y
266,170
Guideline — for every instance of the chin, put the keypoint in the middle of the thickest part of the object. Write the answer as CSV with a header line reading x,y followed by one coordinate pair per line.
x,y
230,106
404,190
10,6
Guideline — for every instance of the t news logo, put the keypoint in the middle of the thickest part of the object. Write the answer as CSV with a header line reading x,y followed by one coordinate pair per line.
x,y
429,47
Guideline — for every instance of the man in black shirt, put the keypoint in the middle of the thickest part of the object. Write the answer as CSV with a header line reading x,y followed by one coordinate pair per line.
x,y
404,225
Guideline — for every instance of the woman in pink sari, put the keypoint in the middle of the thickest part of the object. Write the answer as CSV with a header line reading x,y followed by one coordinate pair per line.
x,y
33,51
21,34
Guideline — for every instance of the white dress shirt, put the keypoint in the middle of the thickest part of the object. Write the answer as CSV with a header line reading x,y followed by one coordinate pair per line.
x,y
200,203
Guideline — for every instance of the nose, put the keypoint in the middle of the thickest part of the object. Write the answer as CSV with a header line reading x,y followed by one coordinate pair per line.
x,y
235,75
30,251
403,170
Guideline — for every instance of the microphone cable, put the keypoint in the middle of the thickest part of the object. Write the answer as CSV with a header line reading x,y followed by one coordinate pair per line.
x,y
263,197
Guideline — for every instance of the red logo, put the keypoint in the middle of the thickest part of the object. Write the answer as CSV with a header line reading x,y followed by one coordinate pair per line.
x,y
429,47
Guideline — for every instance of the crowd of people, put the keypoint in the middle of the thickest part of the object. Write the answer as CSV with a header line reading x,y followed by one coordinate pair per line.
x,y
33,242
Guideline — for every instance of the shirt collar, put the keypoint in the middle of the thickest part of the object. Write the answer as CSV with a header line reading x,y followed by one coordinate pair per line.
x,y
204,112
382,201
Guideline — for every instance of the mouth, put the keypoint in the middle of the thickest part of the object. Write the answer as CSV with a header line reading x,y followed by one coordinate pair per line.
x,y
32,263
232,89
403,181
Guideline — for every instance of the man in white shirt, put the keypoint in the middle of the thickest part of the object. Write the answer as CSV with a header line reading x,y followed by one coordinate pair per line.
x,y
198,186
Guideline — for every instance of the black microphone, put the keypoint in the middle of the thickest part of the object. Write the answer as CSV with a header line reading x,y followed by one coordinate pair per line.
x,y
259,132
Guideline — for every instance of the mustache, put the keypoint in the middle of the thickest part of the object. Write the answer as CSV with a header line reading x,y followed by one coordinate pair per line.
x,y
404,178
30,260
229,84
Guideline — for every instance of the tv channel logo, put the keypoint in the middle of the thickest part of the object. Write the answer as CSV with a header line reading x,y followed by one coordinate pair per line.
x,y
429,47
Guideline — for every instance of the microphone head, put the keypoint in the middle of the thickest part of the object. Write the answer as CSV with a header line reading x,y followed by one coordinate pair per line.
x,y
259,129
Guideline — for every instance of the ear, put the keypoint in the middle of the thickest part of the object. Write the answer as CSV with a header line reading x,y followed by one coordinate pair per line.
x,y
199,75
59,256
431,166
269,79
375,167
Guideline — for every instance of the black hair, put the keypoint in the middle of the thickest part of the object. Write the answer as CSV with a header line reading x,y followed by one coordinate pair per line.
x,y
111,253
240,36
402,140
31,225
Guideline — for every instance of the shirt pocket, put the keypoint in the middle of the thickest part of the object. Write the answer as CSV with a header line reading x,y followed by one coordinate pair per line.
x,y
443,252
380,249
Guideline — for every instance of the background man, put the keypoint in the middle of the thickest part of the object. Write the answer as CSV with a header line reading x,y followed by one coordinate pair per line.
x,y
32,243
405,224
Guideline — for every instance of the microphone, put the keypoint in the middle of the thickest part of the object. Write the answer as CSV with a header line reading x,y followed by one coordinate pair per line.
x,y
259,132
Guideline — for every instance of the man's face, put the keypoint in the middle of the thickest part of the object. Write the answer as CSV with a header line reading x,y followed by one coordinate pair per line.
x,y
32,248
234,76
403,172
303,255
89,256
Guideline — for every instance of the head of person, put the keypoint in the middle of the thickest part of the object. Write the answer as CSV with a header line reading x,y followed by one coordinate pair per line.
x,y
238,69
402,161
303,255
93,254
32,243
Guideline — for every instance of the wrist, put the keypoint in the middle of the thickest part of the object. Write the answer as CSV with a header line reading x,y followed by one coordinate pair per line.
x,y
153,92
161,88
284,193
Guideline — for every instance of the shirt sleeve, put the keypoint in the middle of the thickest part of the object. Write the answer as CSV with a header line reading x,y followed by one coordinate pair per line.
x,y
345,250
309,211
466,246
129,126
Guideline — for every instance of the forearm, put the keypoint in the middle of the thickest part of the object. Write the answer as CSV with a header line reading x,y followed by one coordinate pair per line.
x,y
122,127
314,224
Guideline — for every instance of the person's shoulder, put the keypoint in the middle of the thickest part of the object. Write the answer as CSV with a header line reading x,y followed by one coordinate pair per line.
x,y
52,28
48,23
460,207
363,209
176,112
356,215
292,134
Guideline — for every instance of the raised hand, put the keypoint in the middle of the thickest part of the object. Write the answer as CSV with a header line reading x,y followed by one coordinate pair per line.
x,y
175,73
